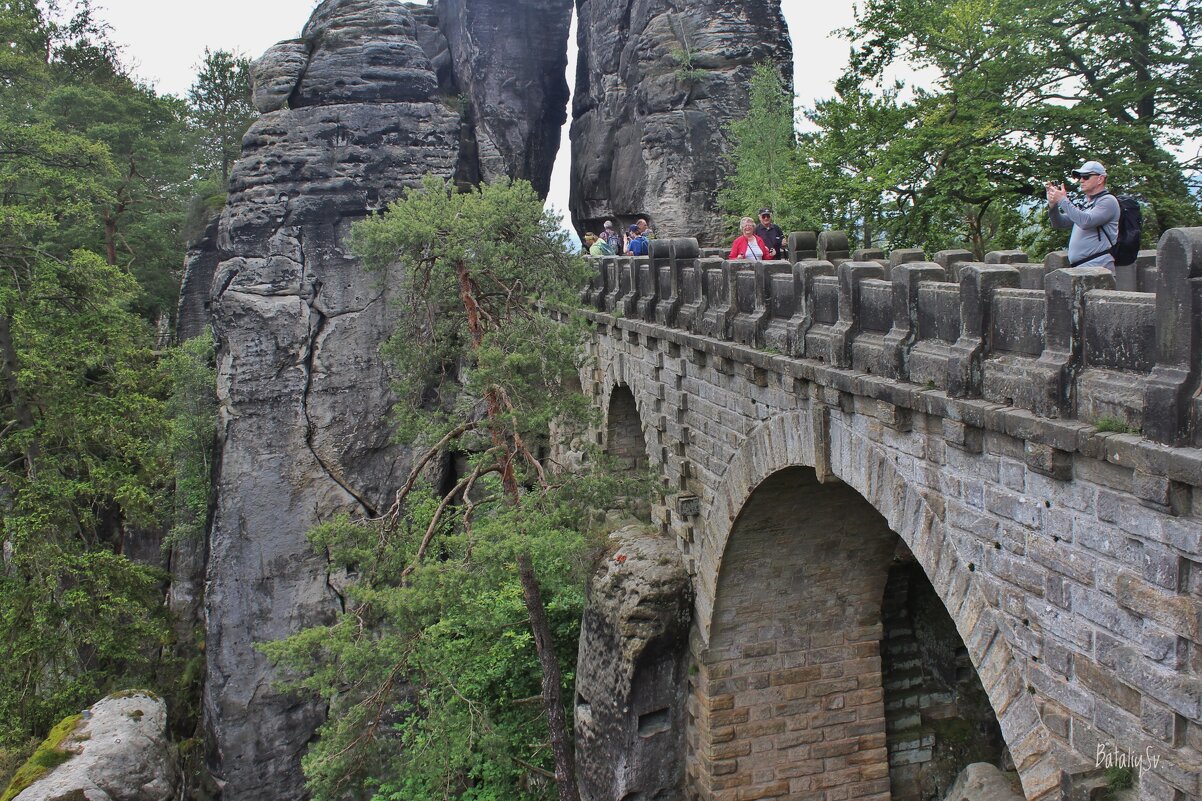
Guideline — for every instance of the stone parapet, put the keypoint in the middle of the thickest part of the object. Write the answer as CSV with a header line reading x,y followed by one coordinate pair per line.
x,y
1059,342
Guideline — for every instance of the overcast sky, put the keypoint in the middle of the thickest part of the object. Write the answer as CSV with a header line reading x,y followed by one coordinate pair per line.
x,y
164,42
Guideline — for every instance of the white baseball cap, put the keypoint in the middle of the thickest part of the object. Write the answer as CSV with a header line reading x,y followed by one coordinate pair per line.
x,y
1089,168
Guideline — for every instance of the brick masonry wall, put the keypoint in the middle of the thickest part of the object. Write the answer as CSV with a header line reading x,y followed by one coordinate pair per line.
x,y
788,694
1070,560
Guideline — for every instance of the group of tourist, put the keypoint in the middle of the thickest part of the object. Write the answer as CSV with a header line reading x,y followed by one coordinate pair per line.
x,y
756,242
1095,227
635,242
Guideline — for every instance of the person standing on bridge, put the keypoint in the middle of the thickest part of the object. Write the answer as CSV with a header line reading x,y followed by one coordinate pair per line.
x,y
1095,224
597,246
748,245
611,237
637,243
771,234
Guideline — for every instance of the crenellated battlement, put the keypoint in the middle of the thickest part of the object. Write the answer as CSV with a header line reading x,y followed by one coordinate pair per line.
x,y
1075,343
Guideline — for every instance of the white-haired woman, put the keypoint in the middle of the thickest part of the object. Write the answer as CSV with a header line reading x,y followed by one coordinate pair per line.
x,y
749,246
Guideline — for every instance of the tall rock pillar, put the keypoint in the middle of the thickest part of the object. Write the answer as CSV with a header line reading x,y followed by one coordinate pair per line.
x,y
352,115
371,97
657,83
509,59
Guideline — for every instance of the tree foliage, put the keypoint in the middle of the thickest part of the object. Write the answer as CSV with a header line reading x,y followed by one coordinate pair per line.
x,y
445,676
81,461
220,110
1008,94
82,424
763,154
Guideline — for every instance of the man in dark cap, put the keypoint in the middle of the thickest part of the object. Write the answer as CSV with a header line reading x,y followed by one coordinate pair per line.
x,y
772,235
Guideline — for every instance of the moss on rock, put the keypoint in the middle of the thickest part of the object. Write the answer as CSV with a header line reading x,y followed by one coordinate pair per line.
x,y
48,756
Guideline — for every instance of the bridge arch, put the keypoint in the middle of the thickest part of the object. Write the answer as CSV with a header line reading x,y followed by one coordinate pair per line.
x,y
625,435
788,442
625,410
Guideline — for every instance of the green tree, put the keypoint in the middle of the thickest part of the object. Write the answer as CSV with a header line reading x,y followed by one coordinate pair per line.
x,y
81,421
142,216
445,678
1017,93
763,155
221,110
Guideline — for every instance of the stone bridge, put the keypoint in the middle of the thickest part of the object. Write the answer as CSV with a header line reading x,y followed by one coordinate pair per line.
x,y
926,521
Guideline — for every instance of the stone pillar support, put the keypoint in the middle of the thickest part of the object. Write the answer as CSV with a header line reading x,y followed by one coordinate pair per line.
x,y
802,245
907,278
832,246
950,260
1006,257
646,283
900,256
844,332
628,290
977,285
751,300
594,294
1175,379
717,280
805,272
1055,371
609,301
668,276
692,292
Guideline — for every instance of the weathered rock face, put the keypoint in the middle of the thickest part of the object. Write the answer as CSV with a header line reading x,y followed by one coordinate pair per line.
x,y
509,60
981,781
656,85
630,675
199,265
364,103
304,394
119,752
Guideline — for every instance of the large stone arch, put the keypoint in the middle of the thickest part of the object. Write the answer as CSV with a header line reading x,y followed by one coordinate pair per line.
x,y
790,440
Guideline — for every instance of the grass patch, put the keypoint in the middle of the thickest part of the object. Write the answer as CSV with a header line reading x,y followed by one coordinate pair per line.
x,y
46,758
1117,779
1113,425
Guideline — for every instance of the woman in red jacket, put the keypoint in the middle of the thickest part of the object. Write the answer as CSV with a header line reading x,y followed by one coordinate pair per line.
x,y
749,246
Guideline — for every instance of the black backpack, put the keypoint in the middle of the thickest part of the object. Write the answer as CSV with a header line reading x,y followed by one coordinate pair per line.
x,y
1131,226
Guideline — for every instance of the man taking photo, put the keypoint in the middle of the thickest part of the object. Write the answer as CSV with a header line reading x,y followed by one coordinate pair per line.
x,y
1095,223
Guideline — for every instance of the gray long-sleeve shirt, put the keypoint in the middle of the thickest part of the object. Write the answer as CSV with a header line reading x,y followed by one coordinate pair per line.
x,y
1095,228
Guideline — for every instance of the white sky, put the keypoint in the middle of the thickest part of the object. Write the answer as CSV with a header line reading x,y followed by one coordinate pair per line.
x,y
164,42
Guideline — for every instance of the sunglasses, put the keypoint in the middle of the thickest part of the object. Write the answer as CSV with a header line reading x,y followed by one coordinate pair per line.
x,y
1086,175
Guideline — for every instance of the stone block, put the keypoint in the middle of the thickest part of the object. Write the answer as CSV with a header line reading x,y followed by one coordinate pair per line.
x,y
1048,461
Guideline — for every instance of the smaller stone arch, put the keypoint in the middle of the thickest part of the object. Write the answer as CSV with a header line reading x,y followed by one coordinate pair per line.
x,y
626,388
788,440
625,440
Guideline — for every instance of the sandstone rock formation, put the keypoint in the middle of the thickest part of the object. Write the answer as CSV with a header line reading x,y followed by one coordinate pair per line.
x,y
371,97
119,752
630,676
981,781
656,84
199,265
304,394
509,61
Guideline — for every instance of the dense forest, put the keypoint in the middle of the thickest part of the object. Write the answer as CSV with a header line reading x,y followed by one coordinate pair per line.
x,y
106,422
